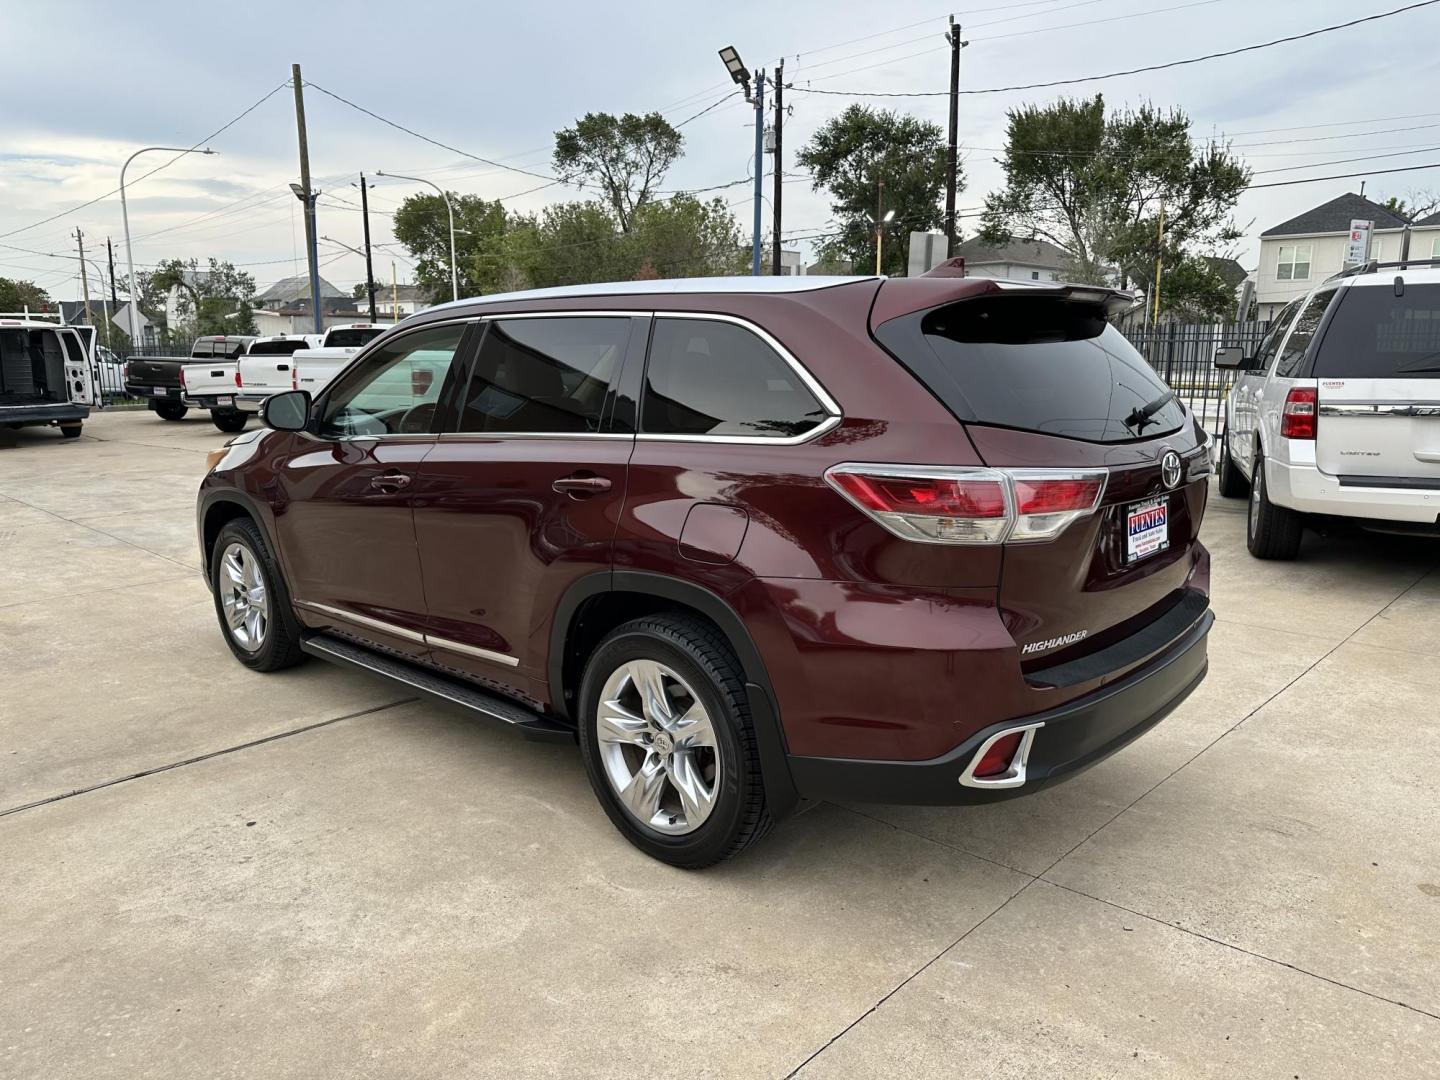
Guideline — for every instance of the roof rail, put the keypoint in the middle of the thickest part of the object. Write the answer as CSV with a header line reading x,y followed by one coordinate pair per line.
x,y
1372,266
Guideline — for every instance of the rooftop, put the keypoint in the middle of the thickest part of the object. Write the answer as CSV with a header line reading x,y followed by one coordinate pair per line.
x,y
1335,217
1032,252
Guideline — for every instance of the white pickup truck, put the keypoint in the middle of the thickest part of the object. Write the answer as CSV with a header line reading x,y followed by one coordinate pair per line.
x,y
274,364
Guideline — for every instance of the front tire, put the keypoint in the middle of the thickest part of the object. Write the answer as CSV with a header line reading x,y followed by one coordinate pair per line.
x,y
71,431
1271,532
230,420
251,600
170,411
669,744
1232,481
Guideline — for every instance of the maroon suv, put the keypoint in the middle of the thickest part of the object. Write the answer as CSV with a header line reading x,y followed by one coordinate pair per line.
x,y
748,541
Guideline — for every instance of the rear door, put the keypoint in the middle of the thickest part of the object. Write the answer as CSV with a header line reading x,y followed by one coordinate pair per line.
x,y
1378,373
79,371
1048,389
523,490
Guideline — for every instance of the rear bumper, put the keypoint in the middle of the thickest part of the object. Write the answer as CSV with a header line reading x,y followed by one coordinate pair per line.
x,y
250,402
61,413
1306,489
1073,737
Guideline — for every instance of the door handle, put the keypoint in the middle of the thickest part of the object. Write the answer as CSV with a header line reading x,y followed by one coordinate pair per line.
x,y
391,481
578,487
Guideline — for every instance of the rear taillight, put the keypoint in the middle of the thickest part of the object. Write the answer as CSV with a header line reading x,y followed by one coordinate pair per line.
x,y
182,376
960,505
294,377
238,382
1297,418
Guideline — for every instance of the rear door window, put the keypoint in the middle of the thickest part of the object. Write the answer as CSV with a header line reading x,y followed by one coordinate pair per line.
x,y
707,377
1038,364
277,348
1375,334
1299,340
352,337
544,376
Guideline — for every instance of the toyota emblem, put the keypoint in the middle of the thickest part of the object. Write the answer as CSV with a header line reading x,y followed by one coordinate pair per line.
x,y
1170,468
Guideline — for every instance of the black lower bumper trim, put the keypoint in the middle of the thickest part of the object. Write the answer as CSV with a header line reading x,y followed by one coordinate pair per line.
x,y
1074,737
43,414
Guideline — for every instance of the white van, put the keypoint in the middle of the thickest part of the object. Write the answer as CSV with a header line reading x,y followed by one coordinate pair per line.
x,y
46,376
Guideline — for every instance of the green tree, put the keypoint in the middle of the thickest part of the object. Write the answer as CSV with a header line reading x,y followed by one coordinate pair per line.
x,y
566,244
16,295
1414,206
684,237
1192,289
216,300
851,155
1117,192
625,157
423,226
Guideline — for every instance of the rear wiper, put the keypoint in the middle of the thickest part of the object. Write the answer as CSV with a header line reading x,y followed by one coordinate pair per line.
x,y
1140,416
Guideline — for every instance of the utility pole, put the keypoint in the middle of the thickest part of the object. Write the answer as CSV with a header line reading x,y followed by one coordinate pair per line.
x,y
775,262
84,276
369,272
1159,251
952,151
759,167
308,197
114,296
394,293
879,226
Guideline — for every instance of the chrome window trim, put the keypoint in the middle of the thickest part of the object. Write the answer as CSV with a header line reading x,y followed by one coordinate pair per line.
x,y
363,620
578,313
499,436
1013,777
411,635
828,403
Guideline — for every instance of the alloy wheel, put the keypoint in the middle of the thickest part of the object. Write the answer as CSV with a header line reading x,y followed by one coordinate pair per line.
x,y
658,747
243,597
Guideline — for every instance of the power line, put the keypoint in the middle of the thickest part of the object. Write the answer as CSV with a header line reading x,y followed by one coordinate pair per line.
x,y
702,112
447,146
1129,71
214,134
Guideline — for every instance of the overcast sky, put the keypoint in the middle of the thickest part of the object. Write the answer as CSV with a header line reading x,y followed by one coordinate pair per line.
x,y
88,83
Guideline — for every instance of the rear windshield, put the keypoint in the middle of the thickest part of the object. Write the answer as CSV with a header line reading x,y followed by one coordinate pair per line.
x,y
276,348
1040,364
1375,334
352,339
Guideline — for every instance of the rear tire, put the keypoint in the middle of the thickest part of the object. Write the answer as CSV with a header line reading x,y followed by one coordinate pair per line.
x,y
231,420
171,411
1232,481
1271,532
694,749
251,600
71,431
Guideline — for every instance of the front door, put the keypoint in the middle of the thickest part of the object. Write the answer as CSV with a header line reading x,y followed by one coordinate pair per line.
x,y
346,530
521,496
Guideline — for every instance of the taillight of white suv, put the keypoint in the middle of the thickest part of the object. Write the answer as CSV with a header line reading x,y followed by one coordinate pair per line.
x,y
960,505
1297,418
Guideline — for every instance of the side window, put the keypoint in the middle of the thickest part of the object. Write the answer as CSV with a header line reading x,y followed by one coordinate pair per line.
x,y
1271,344
545,376
200,348
707,377
395,390
1300,338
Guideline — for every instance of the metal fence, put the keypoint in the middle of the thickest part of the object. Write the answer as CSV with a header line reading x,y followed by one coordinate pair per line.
x,y
1184,356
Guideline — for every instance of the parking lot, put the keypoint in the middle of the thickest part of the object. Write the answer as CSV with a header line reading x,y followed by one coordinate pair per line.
x,y
209,872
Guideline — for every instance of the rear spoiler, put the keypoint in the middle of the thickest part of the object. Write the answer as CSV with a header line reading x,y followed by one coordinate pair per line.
x,y
905,296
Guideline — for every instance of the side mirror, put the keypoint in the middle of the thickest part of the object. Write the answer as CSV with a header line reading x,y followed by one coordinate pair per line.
x,y
289,411
1230,357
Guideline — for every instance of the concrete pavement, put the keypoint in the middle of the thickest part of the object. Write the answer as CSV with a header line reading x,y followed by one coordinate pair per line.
x,y
210,872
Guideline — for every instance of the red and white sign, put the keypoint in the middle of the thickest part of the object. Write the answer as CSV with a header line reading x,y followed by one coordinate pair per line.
x,y
1357,250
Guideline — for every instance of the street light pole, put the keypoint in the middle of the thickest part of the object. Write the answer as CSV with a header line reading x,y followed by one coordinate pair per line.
x,y
449,210
125,217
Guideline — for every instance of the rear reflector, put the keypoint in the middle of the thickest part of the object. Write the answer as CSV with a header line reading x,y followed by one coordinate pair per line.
x,y
996,760
962,505
1297,418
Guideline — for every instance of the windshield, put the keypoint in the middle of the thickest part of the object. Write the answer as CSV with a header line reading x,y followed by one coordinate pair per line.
x,y
1375,334
276,348
352,337
1041,364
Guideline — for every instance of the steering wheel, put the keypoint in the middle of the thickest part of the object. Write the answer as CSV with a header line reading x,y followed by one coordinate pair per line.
x,y
417,419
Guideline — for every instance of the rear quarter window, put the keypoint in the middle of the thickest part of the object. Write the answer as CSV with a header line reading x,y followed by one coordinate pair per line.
x,y
1036,364
1375,334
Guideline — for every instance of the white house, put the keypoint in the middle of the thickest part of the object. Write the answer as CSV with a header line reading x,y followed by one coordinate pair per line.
x,y
1021,260
1300,253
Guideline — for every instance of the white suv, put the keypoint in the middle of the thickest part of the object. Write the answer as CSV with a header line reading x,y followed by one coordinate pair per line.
x,y
1338,413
